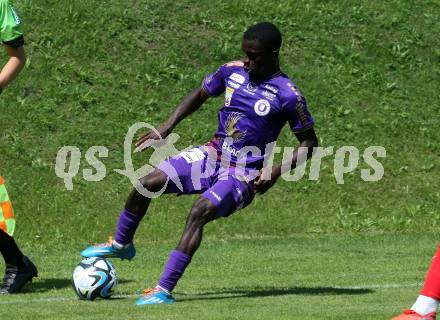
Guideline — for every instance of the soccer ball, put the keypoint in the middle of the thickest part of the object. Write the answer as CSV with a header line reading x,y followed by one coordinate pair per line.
x,y
93,278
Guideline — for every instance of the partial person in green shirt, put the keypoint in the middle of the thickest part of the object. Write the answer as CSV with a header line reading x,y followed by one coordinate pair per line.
x,y
19,269
12,37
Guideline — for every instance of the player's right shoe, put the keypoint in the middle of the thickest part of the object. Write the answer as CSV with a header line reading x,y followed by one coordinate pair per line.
x,y
412,315
15,278
155,296
110,249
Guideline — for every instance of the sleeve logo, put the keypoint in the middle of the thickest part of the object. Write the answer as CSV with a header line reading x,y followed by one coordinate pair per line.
x,y
16,18
228,96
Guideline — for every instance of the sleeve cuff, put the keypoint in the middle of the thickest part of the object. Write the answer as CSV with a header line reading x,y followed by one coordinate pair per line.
x,y
15,43
206,89
304,128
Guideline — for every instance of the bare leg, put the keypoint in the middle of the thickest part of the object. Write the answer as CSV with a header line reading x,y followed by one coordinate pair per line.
x,y
138,204
201,213
136,207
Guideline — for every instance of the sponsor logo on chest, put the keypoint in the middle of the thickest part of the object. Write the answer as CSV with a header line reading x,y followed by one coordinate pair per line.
x,y
233,84
269,95
271,88
237,78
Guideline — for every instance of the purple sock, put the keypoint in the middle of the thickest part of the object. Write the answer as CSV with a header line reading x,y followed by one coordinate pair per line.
x,y
127,225
173,271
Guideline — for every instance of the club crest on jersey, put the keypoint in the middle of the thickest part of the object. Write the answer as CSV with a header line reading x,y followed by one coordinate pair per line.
x,y
237,78
262,107
228,96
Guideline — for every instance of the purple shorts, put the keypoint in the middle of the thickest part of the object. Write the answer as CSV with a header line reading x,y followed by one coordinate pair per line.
x,y
198,171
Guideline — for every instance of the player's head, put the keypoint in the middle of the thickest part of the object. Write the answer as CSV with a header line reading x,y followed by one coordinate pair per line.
x,y
261,44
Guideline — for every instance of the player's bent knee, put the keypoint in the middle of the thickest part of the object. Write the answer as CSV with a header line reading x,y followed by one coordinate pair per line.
x,y
154,181
202,211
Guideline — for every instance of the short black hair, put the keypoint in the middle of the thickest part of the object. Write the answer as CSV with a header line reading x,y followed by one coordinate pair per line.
x,y
266,33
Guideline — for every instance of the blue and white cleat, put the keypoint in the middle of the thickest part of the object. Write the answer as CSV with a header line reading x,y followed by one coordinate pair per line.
x,y
155,296
110,249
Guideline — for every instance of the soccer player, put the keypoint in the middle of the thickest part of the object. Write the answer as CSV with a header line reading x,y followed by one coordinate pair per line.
x,y
427,303
258,101
19,269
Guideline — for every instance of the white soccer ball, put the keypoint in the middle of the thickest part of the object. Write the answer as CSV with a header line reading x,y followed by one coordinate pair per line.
x,y
93,278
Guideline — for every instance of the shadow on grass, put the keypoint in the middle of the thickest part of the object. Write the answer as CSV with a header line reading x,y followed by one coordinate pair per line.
x,y
44,285
272,292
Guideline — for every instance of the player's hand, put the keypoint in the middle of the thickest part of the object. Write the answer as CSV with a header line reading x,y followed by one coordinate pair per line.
x,y
267,178
145,140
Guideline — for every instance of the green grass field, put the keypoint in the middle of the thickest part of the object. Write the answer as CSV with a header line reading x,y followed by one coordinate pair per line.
x,y
302,277
310,249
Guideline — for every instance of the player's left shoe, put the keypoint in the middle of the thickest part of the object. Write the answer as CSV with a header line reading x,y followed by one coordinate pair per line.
x,y
110,249
412,315
15,278
155,296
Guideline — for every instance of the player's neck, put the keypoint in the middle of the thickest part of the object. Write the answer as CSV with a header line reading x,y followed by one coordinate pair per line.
x,y
268,74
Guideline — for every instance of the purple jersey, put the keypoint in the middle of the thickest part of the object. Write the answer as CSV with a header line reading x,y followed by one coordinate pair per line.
x,y
253,114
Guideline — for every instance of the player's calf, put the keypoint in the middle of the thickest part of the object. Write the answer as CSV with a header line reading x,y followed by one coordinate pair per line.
x,y
201,213
135,208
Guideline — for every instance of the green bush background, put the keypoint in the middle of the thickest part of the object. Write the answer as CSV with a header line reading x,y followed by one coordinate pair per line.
x,y
370,72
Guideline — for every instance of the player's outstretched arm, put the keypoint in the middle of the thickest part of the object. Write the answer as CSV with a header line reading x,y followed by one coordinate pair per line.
x,y
188,105
268,176
13,66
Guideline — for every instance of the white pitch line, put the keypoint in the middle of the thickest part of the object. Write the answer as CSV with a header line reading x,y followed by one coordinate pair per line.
x,y
73,298
59,299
